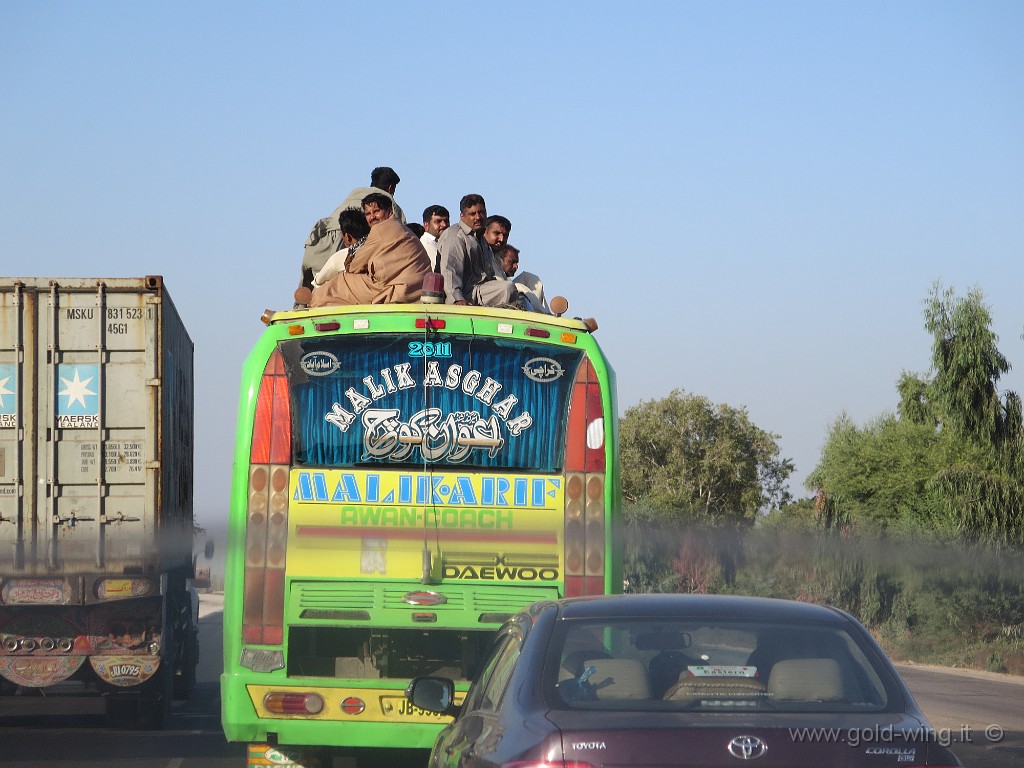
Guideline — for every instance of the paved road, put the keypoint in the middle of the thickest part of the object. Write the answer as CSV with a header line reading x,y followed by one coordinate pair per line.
x,y
58,732
981,712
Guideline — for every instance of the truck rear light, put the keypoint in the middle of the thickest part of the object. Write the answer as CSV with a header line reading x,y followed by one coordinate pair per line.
x,y
585,488
266,531
288,703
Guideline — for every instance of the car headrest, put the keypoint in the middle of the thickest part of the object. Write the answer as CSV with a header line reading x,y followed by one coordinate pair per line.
x,y
806,680
619,679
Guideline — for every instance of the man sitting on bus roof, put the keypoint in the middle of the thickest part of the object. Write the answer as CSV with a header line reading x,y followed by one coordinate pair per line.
x,y
471,273
354,230
529,285
325,238
387,268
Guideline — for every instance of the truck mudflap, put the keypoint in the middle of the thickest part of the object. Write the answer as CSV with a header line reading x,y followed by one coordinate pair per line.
x,y
125,671
41,671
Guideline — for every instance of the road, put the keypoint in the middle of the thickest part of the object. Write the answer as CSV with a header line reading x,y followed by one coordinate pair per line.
x,y
981,712
59,732
56,732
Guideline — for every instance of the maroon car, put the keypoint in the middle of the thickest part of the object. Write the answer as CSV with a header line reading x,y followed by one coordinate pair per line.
x,y
681,680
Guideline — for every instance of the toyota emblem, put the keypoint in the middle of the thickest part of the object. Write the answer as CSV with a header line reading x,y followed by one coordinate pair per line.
x,y
747,747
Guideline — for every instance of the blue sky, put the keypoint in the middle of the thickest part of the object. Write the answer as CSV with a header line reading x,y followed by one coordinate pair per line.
x,y
752,198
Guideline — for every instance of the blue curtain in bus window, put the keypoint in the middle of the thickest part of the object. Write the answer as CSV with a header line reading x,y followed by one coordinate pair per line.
x,y
397,399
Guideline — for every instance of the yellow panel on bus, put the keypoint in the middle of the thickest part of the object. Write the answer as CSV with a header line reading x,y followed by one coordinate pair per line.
x,y
478,526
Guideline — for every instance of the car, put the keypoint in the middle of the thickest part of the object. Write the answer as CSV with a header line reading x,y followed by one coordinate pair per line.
x,y
680,680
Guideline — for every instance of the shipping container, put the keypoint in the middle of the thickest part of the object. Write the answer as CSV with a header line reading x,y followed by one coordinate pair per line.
x,y
96,465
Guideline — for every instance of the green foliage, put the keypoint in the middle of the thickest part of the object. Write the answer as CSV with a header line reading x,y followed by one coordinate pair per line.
x,y
967,365
915,406
981,503
879,476
689,458
950,463
796,516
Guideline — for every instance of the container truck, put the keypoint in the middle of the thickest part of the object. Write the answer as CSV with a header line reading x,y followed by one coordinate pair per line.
x,y
96,522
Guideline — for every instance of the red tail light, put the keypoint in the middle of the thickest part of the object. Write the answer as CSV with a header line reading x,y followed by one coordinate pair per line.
x,y
266,531
289,703
585,487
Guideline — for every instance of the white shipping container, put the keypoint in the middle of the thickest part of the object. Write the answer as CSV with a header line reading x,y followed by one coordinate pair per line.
x,y
96,430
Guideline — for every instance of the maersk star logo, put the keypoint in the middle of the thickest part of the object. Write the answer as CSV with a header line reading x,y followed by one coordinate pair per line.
x,y
5,391
8,397
76,390
78,403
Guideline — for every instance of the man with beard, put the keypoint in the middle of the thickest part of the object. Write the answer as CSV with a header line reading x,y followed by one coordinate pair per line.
x,y
388,267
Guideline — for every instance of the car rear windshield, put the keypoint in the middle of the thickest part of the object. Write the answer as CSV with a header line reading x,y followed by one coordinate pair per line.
x,y
714,667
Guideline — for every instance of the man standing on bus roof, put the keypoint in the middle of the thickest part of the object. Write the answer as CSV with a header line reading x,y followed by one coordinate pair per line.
x,y
471,273
382,180
325,237
387,267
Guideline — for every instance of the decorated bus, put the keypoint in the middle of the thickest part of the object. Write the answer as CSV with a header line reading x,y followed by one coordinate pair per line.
x,y
406,477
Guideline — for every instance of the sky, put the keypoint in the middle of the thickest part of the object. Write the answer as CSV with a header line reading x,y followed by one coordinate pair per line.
x,y
753,199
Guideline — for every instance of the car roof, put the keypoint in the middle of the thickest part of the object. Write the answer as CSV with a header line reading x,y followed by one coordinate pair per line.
x,y
670,605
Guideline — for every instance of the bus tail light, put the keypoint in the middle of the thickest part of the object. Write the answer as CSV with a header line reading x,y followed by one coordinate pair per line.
x,y
287,703
585,488
266,530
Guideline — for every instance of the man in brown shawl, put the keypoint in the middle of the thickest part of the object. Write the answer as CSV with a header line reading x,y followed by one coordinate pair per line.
x,y
387,268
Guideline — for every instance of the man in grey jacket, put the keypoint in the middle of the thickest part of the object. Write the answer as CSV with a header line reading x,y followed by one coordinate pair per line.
x,y
471,273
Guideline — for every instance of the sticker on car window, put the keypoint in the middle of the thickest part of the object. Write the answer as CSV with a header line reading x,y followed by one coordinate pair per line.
x,y
722,671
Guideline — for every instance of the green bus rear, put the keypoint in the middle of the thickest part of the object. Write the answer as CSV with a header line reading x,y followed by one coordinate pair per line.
x,y
406,477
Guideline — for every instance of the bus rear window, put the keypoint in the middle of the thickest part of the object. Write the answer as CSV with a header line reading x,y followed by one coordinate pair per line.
x,y
397,399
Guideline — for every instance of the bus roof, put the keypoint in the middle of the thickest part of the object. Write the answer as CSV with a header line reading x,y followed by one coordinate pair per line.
x,y
584,325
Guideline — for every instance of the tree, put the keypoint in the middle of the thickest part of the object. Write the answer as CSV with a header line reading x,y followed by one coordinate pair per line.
x,y
951,461
967,366
689,458
879,476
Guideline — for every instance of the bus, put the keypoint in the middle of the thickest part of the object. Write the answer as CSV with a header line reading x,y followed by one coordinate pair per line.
x,y
406,477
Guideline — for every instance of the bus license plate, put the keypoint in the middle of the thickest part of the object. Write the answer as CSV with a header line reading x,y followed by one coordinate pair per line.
x,y
399,706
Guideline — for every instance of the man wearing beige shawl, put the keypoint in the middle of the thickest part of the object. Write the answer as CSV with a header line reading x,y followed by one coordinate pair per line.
x,y
387,268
